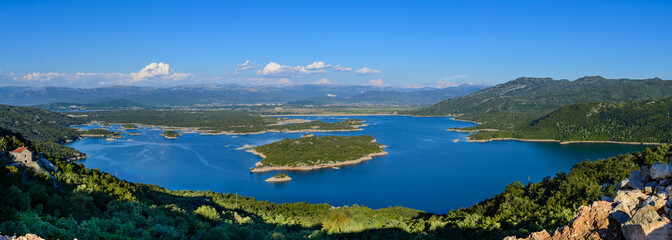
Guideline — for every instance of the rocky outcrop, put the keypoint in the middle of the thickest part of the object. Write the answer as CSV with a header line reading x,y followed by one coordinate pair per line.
x,y
26,237
591,222
641,210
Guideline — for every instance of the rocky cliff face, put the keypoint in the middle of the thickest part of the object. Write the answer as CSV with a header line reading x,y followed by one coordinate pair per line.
x,y
641,209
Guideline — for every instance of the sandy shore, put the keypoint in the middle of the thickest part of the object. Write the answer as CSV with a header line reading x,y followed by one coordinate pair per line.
x,y
558,141
308,168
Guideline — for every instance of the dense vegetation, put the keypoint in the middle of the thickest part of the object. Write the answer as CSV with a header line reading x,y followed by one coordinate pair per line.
x,y
90,204
129,126
117,104
44,128
100,132
311,151
171,134
524,99
641,121
217,121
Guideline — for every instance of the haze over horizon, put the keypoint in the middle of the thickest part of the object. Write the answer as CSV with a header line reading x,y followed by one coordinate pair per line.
x,y
403,44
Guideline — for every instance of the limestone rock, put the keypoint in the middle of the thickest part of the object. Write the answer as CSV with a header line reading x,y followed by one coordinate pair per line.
x,y
659,171
654,201
589,223
649,187
648,219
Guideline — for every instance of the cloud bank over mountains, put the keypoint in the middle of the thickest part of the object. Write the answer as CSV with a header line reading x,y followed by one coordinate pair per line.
x,y
161,74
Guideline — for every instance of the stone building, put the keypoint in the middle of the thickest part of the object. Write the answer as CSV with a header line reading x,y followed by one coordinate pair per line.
x,y
22,155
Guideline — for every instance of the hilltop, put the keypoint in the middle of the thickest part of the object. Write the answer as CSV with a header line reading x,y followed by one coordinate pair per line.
x,y
522,99
648,121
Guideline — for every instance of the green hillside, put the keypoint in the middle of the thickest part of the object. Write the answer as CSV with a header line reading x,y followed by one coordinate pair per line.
x,y
46,129
312,151
90,204
641,121
525,99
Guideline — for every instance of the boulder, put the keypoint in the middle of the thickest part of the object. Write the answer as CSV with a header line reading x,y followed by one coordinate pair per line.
x,y
649,187
635,183
659,171
660,189
655,201
665,182
645,221
646,174
631,198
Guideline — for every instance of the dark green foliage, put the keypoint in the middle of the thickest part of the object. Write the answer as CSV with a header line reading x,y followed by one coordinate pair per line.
x,y
100,132
129,126
311,151
170,134
43,128
90,204
528,98
217,121
641,121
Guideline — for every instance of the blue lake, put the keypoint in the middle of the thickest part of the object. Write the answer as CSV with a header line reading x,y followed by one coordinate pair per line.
x,y
425,168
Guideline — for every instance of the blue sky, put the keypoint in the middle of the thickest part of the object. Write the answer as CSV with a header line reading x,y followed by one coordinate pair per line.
x,y
399,43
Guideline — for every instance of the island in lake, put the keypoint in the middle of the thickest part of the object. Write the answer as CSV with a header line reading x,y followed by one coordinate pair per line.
x,y
279,177
309,153
171,134
100,133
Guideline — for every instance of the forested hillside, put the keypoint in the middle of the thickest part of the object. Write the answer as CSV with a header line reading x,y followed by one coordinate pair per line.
x,y
90,204
640,121
47,130
523,99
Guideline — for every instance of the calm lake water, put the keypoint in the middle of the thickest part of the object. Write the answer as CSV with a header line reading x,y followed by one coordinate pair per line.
x,y
425,169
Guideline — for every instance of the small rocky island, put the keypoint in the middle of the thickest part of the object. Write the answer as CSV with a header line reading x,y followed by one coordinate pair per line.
x,y
100,133
309,153
171,134
279,177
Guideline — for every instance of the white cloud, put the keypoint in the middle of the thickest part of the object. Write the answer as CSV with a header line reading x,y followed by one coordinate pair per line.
x,y
42,77
157,72
377,83
242,67
366,70
340,68
322,81
152,74
331,95
285,81
445,84
273,68
317,66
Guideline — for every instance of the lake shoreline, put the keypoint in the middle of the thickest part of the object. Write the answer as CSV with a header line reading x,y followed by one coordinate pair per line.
x,y
208,132
309,168
557,141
